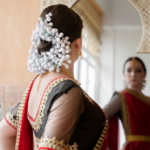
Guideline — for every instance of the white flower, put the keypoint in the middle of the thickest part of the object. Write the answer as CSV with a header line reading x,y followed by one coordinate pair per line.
x,y
56,56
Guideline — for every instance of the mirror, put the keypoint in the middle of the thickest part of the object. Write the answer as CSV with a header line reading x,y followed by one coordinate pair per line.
x,y
120,39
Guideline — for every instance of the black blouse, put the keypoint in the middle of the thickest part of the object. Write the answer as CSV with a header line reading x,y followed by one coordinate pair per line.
x,y
67,113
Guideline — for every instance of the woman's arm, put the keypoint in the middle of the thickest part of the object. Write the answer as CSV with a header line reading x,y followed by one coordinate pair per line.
x,y
113,111
114,106
62,120
8,130
7,136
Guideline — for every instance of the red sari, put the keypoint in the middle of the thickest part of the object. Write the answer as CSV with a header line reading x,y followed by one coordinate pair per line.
x,y
135,113
24,139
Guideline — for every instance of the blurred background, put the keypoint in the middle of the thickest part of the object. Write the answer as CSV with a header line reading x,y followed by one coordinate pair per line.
x,y
112,33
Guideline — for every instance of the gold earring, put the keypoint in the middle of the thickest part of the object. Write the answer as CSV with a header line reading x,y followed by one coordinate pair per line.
x,y
80,53
125,83
144,83
124,80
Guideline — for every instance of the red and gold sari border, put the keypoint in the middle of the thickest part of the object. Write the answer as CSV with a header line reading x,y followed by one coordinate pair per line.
x,y
125,114
100,141
53,143
138,96
20,114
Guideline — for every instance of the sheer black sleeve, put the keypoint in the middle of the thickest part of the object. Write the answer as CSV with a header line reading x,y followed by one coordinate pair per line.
x,y
62,120
114,106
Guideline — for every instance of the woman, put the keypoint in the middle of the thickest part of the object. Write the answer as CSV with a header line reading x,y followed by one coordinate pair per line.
x,y
132,107
61,115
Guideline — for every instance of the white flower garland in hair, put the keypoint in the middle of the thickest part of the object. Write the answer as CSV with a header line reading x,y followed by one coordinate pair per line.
x,y
56,56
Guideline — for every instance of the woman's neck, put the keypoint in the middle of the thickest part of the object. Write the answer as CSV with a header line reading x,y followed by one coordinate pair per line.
x,y
137,89
69,71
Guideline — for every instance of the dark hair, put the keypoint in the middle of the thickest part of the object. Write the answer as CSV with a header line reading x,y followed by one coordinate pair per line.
x,y
65,20
137,59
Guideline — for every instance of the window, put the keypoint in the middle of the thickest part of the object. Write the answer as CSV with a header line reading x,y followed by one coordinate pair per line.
x,y
87,73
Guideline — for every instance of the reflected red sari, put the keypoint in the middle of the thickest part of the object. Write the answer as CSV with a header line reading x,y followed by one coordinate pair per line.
x,y
24,139
135,113
113,139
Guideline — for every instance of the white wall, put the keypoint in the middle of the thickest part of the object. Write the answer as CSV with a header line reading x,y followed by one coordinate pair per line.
x,y
120,39
126,43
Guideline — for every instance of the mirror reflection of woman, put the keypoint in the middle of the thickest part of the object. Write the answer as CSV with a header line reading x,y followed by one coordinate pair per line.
x,y
54,107
132,107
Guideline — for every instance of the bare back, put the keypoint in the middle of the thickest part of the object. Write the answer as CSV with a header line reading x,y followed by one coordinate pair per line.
x,y
36,95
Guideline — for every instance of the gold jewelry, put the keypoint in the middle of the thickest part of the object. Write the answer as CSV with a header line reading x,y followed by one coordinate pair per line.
x,y
71,77
41,76
67,74
80,53
133,61
125,83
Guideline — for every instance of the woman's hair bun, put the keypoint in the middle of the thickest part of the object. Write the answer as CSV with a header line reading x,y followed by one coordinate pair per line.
x,y
58,27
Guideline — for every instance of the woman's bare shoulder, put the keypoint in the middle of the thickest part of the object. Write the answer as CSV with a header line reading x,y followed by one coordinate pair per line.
x,y
7,136
6,128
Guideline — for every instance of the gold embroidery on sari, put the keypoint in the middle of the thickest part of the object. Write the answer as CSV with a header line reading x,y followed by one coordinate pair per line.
x,y
103,134
19,115
57,145
125,115
37,139
11,120
90,100
100,141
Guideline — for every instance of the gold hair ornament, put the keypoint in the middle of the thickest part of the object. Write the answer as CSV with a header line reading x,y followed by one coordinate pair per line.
x,y
40,77
133,61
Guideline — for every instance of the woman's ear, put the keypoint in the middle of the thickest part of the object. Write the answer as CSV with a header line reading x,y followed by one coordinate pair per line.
x,y
124,75
78,43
